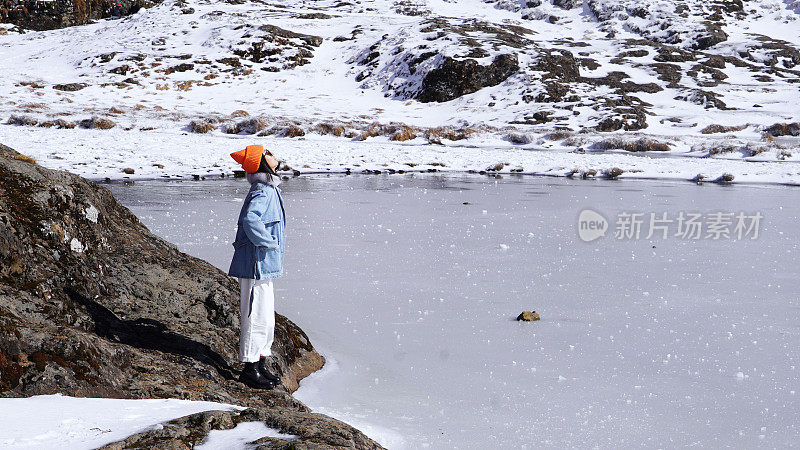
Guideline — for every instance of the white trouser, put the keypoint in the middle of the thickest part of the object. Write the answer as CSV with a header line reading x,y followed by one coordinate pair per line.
x,y
257,319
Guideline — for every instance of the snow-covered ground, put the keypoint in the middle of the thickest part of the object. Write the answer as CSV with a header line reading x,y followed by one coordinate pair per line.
x,y
58,422
99,154
411,294
359,63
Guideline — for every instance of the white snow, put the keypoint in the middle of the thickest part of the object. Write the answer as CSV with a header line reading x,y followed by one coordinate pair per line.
x,y
91,213
57,421
76,245
239,437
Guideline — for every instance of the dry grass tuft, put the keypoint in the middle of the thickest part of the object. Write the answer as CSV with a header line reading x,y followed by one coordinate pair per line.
x,y
22,120
247,126
372,130
715,128
240,113
784,129
405,133
30,106
613,173
718,149
558,135
753,150
292,131
99,123
185,85
518,138
575,141
63,124
24,158
435,135
201,126
639,145
327,128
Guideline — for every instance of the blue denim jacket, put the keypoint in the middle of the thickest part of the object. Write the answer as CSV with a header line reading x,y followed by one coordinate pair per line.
x,y
259,245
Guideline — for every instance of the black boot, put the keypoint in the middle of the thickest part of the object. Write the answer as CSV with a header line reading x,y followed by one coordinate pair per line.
x,y
253,378
264,371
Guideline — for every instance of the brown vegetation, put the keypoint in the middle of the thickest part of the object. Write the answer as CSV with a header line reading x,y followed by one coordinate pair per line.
x,y
405,133
435,135
24,158
784,129
97,123
327,128
247,126
293,131
715,128
22,120
201,126
639,145
558,135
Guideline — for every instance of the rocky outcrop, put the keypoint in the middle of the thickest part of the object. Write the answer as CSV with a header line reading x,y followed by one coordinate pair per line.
x,y
454,78
313,430
277,48
51,14
93,304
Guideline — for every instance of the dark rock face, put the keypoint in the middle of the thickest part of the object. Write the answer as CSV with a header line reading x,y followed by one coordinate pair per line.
x,y
49,15
93,304
453,78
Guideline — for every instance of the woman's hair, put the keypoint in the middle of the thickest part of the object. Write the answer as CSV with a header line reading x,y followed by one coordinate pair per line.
x,y
264,167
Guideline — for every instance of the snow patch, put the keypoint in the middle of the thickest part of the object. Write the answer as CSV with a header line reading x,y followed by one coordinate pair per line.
x,y
241,436
76,246
91,213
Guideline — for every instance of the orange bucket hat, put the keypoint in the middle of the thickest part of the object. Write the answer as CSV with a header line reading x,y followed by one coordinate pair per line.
x,y
249,158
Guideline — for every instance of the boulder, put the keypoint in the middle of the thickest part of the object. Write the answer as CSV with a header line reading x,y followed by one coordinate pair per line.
x,y
94,305
454,78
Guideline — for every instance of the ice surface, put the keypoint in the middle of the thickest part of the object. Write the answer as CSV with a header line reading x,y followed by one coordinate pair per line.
x,y
409,294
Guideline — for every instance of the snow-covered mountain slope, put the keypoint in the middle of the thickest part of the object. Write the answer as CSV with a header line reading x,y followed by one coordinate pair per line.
x,y
681,72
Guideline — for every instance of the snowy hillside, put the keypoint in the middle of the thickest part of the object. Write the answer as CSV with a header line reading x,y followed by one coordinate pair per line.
x,y
699,78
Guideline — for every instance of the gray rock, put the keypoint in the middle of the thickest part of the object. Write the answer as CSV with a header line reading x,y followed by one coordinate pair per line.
x,y
94,305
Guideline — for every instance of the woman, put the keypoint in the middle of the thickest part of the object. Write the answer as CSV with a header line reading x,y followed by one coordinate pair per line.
x,y
257,259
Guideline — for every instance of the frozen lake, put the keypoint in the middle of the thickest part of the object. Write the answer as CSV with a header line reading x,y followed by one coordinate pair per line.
x,y
411,295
